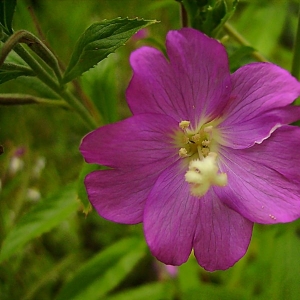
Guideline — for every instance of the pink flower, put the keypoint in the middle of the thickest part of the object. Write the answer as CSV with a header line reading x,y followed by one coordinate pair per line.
x,y
205,154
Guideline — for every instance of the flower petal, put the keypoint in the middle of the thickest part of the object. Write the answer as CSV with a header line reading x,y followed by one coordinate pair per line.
x,y
194,84
170,217
120,196
139,140
256,107
222,235
263,181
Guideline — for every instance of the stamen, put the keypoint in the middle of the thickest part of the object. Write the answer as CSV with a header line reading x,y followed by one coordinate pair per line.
x,y
208,129
205,143
184,124
182,152
185,139
205,151
200,154
196,138
203,174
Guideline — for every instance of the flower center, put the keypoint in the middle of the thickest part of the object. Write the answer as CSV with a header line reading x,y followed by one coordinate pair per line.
x,y
200,148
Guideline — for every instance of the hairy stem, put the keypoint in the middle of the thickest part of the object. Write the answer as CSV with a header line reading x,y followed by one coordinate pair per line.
x,y
49,81
79,92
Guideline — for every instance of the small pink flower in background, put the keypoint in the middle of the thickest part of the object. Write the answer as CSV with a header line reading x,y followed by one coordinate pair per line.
x,y
16,163
205,154
141,34
172,270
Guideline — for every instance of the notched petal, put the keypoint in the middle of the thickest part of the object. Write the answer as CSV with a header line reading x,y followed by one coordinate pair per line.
x,y
263,181
222,236
259,103
170,217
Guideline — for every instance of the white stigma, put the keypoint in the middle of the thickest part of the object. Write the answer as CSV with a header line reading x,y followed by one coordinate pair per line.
x,y
203,174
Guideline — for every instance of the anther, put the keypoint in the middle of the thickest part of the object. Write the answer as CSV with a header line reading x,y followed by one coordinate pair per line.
x,y
196,138
184,124
182,152
205,143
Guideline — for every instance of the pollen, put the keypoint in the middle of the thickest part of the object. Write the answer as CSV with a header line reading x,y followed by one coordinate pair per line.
x,y
202,174
184,124
183,152
196,138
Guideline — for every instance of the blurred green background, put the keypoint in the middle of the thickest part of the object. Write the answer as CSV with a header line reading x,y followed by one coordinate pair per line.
x,y
63,252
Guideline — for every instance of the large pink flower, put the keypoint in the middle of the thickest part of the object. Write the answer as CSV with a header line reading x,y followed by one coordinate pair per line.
x,y
204,155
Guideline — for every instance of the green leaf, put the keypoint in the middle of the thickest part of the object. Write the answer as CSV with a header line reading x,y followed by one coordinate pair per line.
x,y
10,71
228,12
105,271
101,86
284,275
267,25
7,9
98,41
153,291
82,195
208,16
239,57
42,218
191,285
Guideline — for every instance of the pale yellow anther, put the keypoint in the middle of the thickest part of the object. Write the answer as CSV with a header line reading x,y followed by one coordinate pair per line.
x,y
203,174
205,143
183,152
196,138
184,124
205,151
185,139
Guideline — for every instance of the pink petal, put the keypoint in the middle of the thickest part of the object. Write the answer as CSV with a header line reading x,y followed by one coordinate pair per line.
x,y
256,107
170,217
120,196
140,140
222,235
263,181
195,83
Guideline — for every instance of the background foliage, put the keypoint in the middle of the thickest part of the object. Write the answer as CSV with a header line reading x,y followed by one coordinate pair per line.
x,y
53,245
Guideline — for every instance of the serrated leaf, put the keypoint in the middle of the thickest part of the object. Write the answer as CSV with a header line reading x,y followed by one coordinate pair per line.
x,y
7,9
43,217
98,41
12,71
105,271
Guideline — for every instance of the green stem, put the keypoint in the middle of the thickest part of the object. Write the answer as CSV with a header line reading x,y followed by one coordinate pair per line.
x,y
184,16
20,99
36,45
90,106
240,39
49,81
296,57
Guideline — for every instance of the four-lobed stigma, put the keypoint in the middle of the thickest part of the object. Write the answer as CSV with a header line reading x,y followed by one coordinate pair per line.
x,y
203,171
